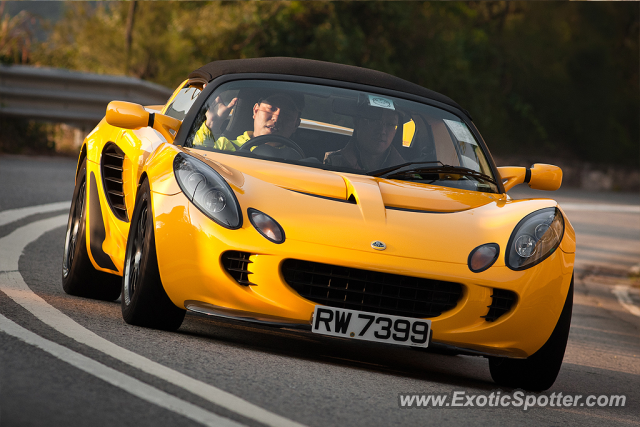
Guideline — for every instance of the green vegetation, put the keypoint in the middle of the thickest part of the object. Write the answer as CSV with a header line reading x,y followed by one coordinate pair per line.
x,y
26,137
558,77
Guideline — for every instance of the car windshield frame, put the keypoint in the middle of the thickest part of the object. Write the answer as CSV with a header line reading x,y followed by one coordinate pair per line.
x,y
188,121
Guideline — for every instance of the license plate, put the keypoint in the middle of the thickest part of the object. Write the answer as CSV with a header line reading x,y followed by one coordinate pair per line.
x,y
340,322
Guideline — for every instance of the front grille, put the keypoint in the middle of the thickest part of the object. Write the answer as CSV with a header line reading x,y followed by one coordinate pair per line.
x,y
372,291
237,265
501,302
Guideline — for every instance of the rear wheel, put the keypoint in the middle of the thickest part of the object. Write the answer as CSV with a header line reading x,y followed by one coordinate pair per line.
x,y
144,301
539,371
79,277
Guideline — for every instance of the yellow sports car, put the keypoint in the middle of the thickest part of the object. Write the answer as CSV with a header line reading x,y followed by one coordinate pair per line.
x,y
325,197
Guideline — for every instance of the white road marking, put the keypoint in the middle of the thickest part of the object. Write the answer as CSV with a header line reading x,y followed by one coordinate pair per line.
x,y
622,293
11,215
12,284
600,207
116,378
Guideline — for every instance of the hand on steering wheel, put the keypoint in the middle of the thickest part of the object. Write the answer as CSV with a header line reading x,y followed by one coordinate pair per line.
x,y
264,139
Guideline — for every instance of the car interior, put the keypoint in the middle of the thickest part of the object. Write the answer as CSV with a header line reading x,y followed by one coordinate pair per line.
x,y
327,125
317,138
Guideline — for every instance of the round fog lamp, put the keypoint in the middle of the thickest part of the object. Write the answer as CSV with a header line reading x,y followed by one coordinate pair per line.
x,y
266,226
483,257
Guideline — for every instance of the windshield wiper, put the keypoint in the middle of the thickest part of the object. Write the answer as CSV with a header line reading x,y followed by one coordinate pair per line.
x,y
395,172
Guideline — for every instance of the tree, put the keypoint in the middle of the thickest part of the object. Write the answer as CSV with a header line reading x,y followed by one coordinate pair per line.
x,y
558,76
16,37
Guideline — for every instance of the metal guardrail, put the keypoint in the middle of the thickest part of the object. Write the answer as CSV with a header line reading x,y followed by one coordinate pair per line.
x,y
71,97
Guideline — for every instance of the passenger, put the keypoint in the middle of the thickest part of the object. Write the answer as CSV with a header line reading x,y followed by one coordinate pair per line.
x,y
275,115
370,146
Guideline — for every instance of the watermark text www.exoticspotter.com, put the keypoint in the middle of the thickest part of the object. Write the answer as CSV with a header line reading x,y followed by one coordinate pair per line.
x,y
497,399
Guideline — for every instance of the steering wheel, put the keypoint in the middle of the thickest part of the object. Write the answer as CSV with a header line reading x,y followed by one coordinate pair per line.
x,y
263,139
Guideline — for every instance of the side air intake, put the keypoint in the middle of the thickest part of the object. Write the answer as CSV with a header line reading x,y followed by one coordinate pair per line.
x,y
111,166
237,265
501,302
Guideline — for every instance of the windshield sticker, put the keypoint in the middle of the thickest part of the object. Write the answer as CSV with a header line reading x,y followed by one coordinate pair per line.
x,y
380,102
461,131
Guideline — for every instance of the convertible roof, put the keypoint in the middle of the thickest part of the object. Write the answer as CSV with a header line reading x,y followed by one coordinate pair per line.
x,y
320,69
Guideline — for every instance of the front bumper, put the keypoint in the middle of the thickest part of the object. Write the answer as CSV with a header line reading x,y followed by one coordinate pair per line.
x,y
190,247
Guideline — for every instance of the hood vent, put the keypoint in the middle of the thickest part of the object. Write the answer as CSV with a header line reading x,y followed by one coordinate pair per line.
x,y
351,198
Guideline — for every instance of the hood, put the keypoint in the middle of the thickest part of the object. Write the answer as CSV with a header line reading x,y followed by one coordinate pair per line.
x,y
344,186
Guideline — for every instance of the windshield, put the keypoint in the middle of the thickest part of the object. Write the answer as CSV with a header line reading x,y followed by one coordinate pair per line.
x,y
342,130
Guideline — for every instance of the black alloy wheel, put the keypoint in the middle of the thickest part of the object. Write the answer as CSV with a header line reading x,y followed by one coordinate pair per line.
x,y
132,264
71,239
144,301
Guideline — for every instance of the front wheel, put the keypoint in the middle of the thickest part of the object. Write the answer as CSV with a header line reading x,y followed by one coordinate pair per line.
x,y
144,301
539,371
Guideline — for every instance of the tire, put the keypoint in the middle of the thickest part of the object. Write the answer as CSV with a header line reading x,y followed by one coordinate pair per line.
x,y
144,301
79,277
539,371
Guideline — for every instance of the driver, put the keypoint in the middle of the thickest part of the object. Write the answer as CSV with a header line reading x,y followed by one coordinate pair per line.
x,y
370,146
277,114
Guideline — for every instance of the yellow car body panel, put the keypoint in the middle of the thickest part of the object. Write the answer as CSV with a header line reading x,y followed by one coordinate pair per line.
x,y
137,145
189,245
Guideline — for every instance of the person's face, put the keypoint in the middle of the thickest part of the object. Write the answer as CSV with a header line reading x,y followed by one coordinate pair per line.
x,y
274,118
375,136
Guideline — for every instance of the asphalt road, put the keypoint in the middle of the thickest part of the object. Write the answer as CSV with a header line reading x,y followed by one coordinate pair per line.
x,y
72,361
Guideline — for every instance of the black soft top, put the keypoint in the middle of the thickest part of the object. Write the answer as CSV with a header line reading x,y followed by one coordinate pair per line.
x,y
319,69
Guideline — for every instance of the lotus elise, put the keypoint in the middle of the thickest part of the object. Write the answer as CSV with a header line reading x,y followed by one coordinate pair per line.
x,y
337,199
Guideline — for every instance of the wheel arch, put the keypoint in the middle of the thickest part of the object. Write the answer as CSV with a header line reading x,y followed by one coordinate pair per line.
x,y
81,157
143,176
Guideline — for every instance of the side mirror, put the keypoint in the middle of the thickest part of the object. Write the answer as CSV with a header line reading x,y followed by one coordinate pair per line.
x,y
539,177
128,115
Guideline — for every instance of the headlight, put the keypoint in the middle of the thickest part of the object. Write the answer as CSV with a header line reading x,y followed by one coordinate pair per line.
x,y
534,239
208,191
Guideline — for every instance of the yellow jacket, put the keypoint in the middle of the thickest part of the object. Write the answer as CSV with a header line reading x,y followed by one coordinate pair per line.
x,y
205,137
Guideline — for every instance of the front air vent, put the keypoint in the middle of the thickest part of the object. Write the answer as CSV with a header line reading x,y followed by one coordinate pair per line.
x,y
112,161
501,302
237,265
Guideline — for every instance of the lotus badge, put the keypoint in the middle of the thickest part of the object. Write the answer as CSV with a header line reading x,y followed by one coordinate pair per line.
x,y
378,245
